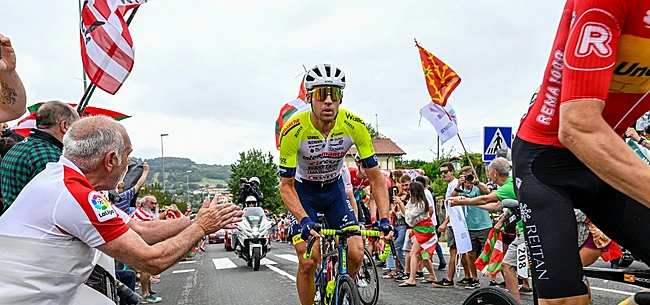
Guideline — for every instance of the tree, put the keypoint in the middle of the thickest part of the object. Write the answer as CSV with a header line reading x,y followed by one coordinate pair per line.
x,y
373,132
255,163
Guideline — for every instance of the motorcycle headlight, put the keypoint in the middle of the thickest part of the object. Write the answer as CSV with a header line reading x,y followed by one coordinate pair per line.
x,y
256,231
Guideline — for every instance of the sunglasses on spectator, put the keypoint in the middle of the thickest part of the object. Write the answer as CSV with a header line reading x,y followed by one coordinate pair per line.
x,y
444,171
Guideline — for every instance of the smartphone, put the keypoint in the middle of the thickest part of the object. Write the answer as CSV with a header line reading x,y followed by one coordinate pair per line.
x,y
394,192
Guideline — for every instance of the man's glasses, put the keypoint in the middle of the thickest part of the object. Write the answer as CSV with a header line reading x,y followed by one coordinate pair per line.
x,y
444,171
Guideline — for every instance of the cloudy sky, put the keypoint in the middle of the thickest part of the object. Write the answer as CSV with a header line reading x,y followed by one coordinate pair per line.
x,y
214,74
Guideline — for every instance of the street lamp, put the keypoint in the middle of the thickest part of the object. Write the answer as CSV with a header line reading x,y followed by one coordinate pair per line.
x,y
187,173
163,159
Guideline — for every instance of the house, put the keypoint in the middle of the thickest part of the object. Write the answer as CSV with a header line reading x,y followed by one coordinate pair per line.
x,y
385,149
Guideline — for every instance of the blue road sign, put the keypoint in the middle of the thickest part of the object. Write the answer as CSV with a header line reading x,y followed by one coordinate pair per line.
x,y
495,138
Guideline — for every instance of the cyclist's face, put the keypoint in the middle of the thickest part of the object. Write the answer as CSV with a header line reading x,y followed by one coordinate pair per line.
x,y
325,109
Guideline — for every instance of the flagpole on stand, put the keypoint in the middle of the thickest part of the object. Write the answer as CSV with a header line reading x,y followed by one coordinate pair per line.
x,y
91,89
466,154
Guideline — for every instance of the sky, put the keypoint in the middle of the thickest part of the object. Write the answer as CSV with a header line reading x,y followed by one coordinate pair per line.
x,y
214,74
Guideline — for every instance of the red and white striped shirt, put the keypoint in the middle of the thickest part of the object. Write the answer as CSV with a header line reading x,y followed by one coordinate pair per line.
x,y
141,214
61,204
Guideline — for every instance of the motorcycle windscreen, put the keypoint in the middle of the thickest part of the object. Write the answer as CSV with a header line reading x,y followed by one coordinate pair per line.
x,y
254,215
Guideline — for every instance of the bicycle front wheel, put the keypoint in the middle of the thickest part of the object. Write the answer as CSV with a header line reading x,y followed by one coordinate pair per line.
x,y
491,296
347,293
368,280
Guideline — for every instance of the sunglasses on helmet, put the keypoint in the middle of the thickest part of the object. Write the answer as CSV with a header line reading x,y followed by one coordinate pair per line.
x,y
321,93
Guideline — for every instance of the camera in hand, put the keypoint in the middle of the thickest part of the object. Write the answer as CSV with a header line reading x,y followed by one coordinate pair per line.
x,y
245,184
469,178
126,294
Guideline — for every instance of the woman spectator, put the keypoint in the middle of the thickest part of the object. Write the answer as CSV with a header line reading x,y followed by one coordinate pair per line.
x,y
416,213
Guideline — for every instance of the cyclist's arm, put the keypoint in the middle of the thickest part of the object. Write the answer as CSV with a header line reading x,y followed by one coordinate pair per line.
x,y
586,134
290,198
379,190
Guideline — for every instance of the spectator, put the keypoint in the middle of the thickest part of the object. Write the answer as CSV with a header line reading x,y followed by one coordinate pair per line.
x,y
127,196
478,222
60,216
146,213
448,175
12,92
402,243
433,208
26,159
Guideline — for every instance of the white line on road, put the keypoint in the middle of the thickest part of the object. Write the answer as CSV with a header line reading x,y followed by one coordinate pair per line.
x,y
183,271
187,262
265,261
289,257
223,263
612,290
276,269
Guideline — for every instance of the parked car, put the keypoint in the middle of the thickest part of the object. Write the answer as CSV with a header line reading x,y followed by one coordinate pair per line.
x,y
217,237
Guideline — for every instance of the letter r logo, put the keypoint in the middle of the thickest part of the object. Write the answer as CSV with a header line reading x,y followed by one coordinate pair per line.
x,y
594,38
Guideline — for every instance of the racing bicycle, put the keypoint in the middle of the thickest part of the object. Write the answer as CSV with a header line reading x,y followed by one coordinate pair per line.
x,y
333,283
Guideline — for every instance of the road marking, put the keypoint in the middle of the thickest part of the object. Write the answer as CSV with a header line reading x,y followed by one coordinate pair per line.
x,y
187,262
289,257
265,261
612,290
223,263
276,269
183,271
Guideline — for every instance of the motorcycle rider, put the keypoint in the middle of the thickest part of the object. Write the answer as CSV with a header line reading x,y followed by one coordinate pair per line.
x,y
250,187
251,201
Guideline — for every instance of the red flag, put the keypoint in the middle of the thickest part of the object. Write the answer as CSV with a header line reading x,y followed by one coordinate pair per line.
x,y
441,80
302,94
106,46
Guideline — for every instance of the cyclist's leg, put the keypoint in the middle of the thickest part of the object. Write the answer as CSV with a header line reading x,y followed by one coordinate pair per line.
x,y
306,267
340,215
544,176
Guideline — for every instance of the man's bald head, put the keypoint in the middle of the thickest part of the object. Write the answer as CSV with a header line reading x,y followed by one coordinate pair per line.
x,y
91,138
501,165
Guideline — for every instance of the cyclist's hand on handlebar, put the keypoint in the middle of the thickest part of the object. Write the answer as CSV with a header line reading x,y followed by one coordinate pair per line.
x,y
385,228
309,228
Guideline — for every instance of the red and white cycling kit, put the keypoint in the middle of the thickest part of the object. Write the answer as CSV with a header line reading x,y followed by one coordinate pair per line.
x,y
601,52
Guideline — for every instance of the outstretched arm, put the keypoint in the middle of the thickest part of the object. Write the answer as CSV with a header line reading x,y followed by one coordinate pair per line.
x,y
12,92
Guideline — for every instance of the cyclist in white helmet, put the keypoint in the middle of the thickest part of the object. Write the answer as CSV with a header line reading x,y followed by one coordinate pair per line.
x,y
313,145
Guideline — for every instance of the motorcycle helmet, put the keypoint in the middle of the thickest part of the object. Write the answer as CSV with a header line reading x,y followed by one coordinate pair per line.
x,y
251,201
324,75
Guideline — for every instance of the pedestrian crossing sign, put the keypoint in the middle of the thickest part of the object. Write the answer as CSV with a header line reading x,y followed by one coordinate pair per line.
x,y
495,138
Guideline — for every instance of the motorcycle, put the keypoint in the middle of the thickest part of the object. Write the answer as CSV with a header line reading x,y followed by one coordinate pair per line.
x,y
251,240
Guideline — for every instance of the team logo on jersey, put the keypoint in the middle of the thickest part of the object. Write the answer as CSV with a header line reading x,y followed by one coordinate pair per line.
x,y
102,208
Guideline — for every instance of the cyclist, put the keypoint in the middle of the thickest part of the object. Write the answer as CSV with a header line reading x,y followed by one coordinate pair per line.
x,y
568,152
313,146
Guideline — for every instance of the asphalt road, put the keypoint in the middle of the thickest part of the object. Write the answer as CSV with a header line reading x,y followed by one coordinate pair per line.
x,y
219,277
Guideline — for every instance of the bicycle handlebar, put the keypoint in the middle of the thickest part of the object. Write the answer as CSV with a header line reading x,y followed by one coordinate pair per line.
x,y
332,232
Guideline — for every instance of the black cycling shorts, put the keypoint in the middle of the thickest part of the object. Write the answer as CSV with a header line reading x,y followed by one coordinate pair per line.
x,y
331,200
550,182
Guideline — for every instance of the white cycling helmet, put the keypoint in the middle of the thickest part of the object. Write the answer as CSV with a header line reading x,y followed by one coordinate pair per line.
x,y
255,179
324,75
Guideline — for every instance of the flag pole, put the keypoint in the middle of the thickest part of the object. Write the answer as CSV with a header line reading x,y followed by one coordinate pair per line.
x,y
91,89
466,154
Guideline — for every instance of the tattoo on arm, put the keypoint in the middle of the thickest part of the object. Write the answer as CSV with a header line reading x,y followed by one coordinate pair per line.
x,y
7,94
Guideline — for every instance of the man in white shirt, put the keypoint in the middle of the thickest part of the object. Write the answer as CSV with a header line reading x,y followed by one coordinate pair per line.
x,y
49,236
447,173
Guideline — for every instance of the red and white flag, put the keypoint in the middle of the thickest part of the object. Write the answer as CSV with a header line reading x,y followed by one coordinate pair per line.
x,y
106,45
443,120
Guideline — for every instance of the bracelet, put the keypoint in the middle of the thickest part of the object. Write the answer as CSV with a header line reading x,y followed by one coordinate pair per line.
x,y
458,190
643,139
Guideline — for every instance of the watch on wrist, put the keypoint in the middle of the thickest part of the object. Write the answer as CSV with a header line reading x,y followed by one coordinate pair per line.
x,y
643,139
458,190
